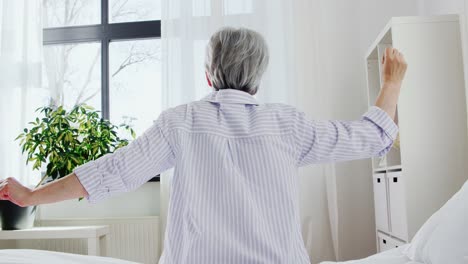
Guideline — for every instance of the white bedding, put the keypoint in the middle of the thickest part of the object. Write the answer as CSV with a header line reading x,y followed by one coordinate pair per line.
x,y
29,256
394,256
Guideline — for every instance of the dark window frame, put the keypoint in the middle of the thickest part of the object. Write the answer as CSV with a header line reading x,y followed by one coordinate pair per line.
x,y
103,33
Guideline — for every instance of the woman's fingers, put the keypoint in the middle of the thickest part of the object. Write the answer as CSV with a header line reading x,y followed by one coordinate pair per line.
x,y
388,51
4,190
14,191
394,66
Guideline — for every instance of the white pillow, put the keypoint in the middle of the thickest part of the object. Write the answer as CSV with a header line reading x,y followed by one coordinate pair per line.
x,y
415,250
444,237
449,241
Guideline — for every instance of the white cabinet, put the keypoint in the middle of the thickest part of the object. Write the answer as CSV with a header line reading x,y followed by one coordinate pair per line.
x,y
390,203
428,163
397,205
381,202
385,242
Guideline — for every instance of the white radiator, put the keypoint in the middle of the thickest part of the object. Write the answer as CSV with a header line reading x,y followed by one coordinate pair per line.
x,y
134,239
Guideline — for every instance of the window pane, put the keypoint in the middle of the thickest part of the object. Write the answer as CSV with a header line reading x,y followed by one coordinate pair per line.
x,y
201,85
234,7
72,74
201,7
135,82
63,13
134,10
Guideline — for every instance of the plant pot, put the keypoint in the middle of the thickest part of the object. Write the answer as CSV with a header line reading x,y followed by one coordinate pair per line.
x,y
14,217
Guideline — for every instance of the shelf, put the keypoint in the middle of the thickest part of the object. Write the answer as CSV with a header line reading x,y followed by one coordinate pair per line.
x,y
393,157
379,163
380,171
381,53
441,148
394,168
390,235
373,80
388,168
385,37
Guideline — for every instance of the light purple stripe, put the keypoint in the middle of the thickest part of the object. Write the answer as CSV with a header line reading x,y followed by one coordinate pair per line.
x,y
234,192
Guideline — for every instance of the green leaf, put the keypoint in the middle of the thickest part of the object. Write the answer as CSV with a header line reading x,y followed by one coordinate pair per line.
x,y
66,139
37,165
77,161
69,165
88,107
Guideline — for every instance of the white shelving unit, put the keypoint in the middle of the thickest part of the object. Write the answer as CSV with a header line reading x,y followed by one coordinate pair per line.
x,y
430,162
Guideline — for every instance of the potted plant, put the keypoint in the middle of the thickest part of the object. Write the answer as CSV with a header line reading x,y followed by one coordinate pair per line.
x,y
61,140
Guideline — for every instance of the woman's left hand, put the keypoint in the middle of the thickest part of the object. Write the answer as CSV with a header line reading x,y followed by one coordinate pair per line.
x,y
14,191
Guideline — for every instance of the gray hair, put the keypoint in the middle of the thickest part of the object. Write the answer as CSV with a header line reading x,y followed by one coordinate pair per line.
x,y
236,59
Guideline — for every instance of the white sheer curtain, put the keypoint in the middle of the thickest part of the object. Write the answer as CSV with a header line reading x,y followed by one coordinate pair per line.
x,y
291,33
187,26
20,81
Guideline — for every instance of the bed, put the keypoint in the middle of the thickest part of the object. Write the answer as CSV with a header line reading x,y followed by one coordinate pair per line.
x,y
23,256
443,239
394,256
29,256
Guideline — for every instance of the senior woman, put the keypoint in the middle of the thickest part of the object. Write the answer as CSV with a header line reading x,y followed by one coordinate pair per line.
x,y
233,192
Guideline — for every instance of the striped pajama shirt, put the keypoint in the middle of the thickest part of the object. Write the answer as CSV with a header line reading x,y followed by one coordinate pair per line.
x,y
234,196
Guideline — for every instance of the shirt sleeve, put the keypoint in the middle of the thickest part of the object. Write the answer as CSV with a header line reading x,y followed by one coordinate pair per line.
x,y
128,167
331,141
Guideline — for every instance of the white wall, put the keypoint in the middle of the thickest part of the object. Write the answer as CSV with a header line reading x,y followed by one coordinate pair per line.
x,y
439,7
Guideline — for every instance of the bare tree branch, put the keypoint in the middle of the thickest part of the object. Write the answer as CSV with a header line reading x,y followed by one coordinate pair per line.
x,y
117,7
67,12
90,97
135,57
73,12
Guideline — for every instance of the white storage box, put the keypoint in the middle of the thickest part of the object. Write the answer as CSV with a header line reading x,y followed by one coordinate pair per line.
x,y
381,202
386,242
398,219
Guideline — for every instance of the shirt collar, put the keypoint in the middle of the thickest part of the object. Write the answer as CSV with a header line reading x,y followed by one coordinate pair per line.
x,y
230,96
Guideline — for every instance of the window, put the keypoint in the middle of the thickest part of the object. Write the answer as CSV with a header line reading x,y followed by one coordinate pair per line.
x,y
102,53
134,10
73,72
64,13
134,68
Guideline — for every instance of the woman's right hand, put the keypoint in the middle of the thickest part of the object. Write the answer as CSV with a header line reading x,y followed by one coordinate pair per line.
x,y
14,191
394,67
393,72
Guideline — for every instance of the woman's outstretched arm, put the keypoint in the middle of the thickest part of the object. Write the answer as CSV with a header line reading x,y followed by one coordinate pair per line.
x,y
67,188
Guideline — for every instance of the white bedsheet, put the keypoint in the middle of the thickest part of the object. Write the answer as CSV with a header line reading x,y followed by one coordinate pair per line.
x,y
394,256
29,256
